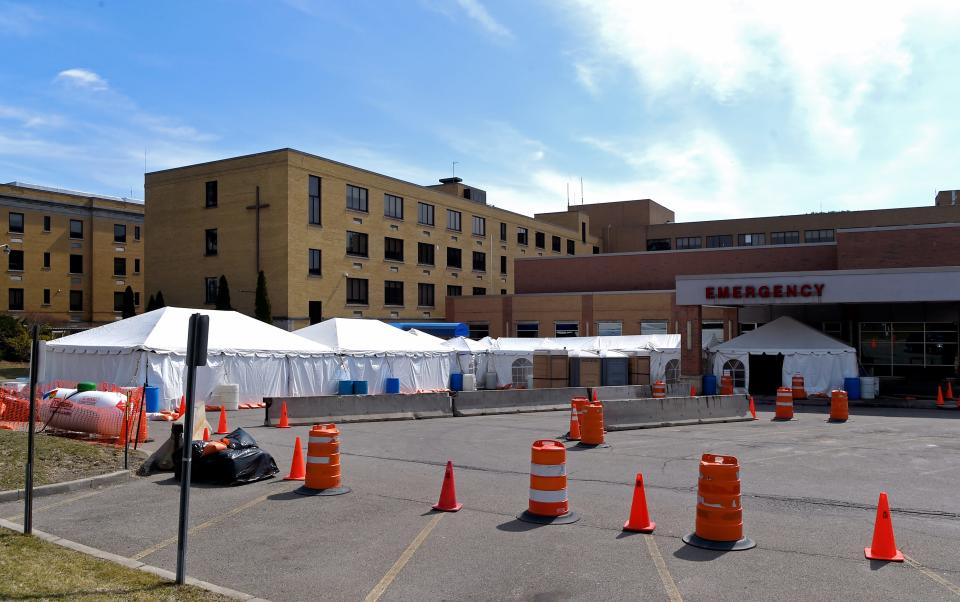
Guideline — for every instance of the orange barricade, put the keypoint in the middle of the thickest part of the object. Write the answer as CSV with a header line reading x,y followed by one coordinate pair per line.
x,y
726,383
798,391
591,431
659,390
839,406
719,524
580,403
323,462
548,502
784,409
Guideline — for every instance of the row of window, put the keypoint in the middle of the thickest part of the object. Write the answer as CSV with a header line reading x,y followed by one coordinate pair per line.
x,y
16,296
753,239
16,223
393,250
571,328
16,263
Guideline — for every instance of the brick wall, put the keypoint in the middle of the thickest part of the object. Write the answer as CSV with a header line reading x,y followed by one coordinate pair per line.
x,y
903,248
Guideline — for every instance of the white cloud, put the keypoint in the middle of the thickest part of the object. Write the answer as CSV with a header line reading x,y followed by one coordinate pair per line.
x,y
586,75
478,12
29,118
82,78
18,19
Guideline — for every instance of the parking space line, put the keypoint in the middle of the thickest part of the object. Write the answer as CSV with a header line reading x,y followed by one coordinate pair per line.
x,y
668,583
19,517
390,575
933,576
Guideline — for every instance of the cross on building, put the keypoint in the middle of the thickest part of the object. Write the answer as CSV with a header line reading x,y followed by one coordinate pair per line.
x,y
257,206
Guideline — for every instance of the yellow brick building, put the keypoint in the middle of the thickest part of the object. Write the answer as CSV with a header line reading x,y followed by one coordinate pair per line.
x,y
334,240
70,255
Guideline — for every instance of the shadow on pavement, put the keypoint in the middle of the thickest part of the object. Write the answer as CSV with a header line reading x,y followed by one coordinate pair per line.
x,y
518,526
697,554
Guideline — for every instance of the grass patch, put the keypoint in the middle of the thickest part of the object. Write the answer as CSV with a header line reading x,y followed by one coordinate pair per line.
x,y
12,370
57,459
38,570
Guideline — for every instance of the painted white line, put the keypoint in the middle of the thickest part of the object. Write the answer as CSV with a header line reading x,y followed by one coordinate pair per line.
x,y
668,584
951,587
401,562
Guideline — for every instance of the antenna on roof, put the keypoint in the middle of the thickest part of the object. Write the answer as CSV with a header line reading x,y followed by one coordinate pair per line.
x,y
581,190
455,168
568,195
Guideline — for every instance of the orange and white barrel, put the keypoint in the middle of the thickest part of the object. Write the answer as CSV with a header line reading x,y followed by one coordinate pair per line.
x,y
659,390
784,408
580,406
548,501
719,522
591,430
323,462
797,385
839,406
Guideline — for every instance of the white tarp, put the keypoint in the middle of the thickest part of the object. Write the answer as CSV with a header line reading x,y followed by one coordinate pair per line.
x,y
374,351
263,360
822,360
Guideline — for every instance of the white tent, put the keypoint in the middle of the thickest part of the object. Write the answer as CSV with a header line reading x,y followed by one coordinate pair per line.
x,y
263,360
470,357
373,351
822,360
426,336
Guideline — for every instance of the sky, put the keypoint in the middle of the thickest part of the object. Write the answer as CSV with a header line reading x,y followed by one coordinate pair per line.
x,y
715,109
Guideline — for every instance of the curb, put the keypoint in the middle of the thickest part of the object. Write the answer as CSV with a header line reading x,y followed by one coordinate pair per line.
x,y
88,483
901,404
131,563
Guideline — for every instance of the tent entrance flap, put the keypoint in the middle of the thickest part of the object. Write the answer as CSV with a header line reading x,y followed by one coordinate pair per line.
x,y
766,373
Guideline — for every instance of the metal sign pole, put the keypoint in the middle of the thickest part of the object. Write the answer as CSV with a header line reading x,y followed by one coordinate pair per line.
x,y
28,481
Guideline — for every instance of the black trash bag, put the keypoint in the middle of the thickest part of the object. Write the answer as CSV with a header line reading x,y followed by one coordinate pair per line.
x,y
240,439
242,462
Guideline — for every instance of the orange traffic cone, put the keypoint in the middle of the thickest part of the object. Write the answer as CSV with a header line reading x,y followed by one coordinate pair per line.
x,y
693,391
884,546
222,427
448,492
753,408
298,470
143,433
939,396
284,422
206,434
639,517
949,390
183,407
574,434
594,398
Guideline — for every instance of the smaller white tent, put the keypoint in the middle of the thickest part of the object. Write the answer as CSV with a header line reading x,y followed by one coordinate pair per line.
x,y
374,351
470,357
822,360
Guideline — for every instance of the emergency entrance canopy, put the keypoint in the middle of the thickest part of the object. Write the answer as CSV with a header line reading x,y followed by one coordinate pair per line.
x,y
822,360
265,361
373,351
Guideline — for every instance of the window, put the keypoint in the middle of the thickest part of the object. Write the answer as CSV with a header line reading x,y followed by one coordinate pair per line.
x,y
555,243
425,253
117,301
658,244
313,258
313,199
425,214
393,292
16,225
583,231
454,258
571,247
46,260
356,244
521,373
15,261
76,264
46,296
393,248
454,291
453,220
567,329
818,236
357,291
671,372
689,242
15,299
119,233
610,328
784,238
503,291
425,295
210,242
210,286
751,240
76,228
479,291
46,223
503,232
136,266
503,264
479,261
884,345
211,194
479,226
596,250
540,240
479,330
136,299
392,206
528,330
76,300
315,310
136,233
357,198
653,327
735,367
522,236
719,241
119,266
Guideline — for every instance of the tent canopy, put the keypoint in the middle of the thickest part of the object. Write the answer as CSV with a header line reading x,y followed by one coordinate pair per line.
x,y
426,336
784,335
465,344
359,336
440,329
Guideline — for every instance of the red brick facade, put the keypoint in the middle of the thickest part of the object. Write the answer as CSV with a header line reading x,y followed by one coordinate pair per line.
x,y
900,248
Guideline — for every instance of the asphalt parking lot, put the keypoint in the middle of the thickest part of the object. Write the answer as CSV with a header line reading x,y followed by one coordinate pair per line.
x,y
810,493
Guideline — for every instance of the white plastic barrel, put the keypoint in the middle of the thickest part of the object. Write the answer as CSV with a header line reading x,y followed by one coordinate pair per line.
x,y
868,387
469,382
227,395
490,381
98,412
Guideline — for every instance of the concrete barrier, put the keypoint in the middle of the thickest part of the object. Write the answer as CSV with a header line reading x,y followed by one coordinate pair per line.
x,y
624,414
359,408
507,401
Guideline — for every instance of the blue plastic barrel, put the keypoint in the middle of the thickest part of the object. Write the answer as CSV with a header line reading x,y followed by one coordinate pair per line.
x,y
152,395
391,385
345,387
456,382
852,387
359,387
709,384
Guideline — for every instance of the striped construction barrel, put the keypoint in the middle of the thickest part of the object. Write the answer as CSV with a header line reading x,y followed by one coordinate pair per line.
x,y
323,462
548,502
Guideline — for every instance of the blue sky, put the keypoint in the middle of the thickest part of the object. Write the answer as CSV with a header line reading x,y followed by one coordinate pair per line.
x,y
714,109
